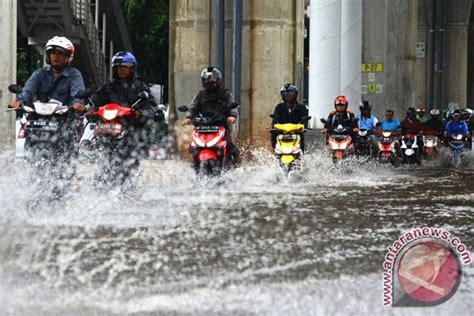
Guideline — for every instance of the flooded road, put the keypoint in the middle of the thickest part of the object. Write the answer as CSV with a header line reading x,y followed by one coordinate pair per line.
x,y
249,243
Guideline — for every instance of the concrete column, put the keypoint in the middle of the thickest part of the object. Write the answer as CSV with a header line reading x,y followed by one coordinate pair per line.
x,y
456,68
104,33
189,54
325,57
8,20
272,54
389,38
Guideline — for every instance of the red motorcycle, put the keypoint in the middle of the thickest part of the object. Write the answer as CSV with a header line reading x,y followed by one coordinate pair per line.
x,y
109,131
209,147
387,148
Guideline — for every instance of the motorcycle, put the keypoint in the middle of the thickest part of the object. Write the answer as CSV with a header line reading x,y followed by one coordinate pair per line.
x,y
340,143
457,144
109,130
288,148
363,147
387,150
43,126
430,145
209,146
409,149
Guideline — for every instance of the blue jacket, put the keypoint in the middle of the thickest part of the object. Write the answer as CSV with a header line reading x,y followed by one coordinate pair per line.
x,y
367,123
391,126
456,128
41,86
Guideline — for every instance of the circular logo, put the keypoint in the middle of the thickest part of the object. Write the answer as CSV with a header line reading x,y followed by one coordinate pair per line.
x,y
429,272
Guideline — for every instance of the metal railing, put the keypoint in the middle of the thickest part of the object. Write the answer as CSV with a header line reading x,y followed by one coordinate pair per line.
x,y
81,10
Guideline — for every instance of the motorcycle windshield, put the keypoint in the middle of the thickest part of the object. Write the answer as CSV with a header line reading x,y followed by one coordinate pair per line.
x,y
48,108
289,128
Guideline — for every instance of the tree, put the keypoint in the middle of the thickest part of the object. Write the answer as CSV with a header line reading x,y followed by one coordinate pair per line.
x,y
148,26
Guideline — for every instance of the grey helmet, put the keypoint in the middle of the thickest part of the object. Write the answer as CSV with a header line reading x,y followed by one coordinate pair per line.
x,y
211,78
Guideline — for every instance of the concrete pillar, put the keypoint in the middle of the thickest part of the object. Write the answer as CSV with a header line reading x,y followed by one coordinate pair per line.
x,y
189,53
389,38
456,68
8,25
272,46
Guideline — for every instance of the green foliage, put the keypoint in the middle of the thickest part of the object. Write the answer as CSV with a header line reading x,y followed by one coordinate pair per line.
x,y
148,26
25,67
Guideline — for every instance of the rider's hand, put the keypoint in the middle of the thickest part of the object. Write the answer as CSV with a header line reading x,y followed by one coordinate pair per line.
x,y
231,120
138,113
15,104
355,130
79,107
186,121
324,130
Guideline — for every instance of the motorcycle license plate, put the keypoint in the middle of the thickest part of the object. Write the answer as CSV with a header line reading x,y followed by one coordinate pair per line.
x,y
43,125
207,129
108,129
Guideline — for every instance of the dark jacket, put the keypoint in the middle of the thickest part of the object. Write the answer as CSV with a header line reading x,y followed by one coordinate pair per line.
x,y
286,116
207,104
410,127
115,92
346,119
432,127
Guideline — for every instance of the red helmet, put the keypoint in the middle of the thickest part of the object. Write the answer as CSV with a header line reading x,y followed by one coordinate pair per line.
x,y
341,100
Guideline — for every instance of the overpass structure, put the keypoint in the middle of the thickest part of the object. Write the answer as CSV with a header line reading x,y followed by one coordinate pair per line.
x,y
96,27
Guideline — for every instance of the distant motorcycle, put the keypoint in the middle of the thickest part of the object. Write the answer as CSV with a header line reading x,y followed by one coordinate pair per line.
x,y
363,147
340,142
409,150
288,143
430,145
209,142
457,145
387,152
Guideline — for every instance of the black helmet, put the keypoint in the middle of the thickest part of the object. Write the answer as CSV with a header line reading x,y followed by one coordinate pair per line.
x,y
457,113
211,78
286,89
411,113
365,106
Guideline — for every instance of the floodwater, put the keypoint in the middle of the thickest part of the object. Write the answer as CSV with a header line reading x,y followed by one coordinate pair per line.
x,y
251,242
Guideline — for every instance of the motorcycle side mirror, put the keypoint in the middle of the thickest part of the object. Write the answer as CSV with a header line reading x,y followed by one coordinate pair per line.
x,y
143,95
233,105
305,119
378,124
356,119
162,107
275,116
15,88
183,108
84,94
324,121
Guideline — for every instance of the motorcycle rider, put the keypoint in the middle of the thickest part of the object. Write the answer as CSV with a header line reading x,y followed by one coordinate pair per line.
x,y
433,126
211,100
421,115
341,116
125,89
457,126
59,81
368,122
390,123
411,125
289,111
467,117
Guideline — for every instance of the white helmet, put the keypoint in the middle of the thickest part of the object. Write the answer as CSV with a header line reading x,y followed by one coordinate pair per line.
x,y
61,44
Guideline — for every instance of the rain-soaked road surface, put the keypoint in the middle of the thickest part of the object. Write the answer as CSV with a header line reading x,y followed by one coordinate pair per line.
x,y
252,244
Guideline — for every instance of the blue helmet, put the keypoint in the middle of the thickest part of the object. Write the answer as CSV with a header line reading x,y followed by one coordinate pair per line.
x,y
124,59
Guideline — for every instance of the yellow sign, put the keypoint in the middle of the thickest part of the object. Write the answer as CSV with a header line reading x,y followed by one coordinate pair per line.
x,y
371,87
371,67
